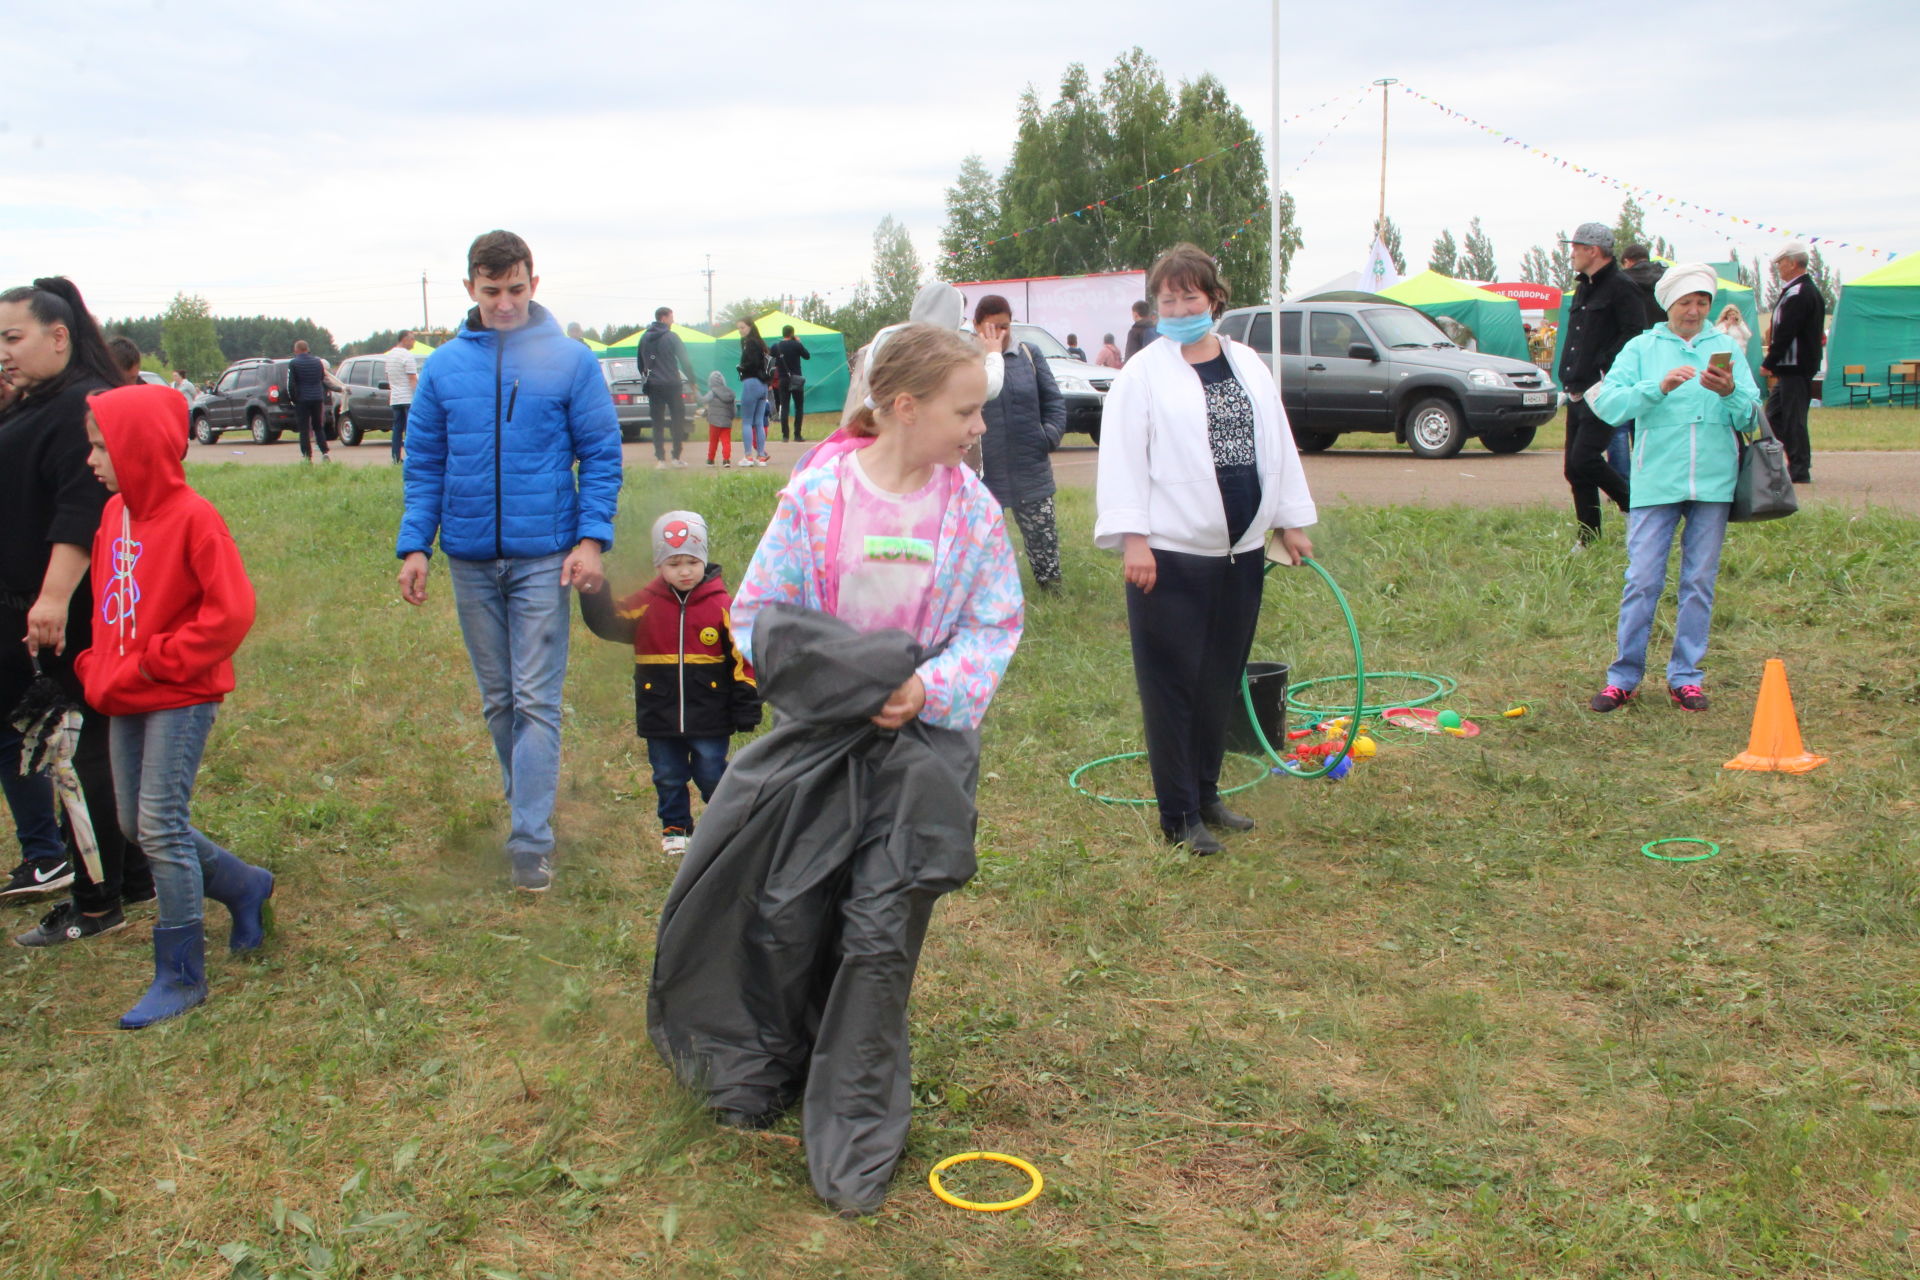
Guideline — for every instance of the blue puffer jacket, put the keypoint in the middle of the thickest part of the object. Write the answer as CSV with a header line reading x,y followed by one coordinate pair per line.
x,y
498,422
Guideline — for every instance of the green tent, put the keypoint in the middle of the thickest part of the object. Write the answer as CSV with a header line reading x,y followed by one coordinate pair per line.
x,y
1494,319
700,351
826,368
1876,323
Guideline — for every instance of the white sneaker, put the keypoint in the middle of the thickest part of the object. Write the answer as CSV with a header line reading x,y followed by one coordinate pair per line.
x,y
659,466
679,462
674,846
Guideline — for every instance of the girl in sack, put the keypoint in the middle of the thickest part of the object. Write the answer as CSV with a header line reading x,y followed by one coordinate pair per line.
x,y
1688,390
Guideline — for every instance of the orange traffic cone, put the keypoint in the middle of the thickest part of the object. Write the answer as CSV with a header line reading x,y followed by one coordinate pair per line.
x,y
1774,744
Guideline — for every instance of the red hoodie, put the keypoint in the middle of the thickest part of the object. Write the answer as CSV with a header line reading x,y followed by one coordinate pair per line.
x,y
172,598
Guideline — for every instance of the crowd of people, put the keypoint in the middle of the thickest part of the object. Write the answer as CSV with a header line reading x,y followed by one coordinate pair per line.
x,y
877,615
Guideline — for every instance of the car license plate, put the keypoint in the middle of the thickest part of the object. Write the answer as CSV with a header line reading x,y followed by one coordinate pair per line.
x,y
1535,397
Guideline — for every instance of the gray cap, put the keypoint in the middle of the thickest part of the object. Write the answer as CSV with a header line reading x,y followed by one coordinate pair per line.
x,y
1593,233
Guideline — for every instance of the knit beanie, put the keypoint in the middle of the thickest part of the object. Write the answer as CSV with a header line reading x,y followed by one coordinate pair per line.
x,y
679,533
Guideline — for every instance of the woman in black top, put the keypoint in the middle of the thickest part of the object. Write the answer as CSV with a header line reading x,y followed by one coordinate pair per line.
x,y
51,358
754,390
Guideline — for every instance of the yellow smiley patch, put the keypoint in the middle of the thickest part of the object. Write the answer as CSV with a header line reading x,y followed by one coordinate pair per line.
x,y
709,635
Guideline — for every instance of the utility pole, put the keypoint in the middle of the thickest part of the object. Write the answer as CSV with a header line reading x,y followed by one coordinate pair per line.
x,y
1380,223
1273,204
426,325
708,273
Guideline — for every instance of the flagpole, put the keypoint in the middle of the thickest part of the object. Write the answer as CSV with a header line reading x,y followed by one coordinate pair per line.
x,y
1380,222
1273,203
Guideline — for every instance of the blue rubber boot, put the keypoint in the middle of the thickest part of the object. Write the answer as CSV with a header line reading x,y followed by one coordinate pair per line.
x,y
179,977
243,890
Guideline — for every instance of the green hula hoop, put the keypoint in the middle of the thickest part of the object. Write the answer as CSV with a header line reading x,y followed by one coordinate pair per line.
x,y
1354,714
1073,779
1440,687
1649,847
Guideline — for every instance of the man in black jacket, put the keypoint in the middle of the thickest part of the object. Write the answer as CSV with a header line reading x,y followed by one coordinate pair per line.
x,y
1605,313
1142,331
1793,356
663,358
1645,274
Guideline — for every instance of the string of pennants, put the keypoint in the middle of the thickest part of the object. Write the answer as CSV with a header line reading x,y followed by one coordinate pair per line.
x,y
1660,198
1170,174
1311,152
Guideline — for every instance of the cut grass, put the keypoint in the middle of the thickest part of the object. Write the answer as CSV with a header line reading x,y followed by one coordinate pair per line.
x,y
1839,430
1439,1021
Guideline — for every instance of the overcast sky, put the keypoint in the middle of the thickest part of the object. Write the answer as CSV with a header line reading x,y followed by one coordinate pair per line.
x,y
313,159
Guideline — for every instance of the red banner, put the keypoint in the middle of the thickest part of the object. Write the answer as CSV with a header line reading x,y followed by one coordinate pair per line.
x,y
1531,297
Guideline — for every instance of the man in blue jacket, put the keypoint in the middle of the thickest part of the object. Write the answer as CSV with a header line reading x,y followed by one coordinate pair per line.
x,y
503,415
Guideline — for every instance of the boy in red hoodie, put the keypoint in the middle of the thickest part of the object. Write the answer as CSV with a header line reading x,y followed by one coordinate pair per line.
x,y
692,687
173,604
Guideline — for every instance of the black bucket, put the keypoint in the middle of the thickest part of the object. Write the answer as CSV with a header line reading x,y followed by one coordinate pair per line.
x,y
1267,684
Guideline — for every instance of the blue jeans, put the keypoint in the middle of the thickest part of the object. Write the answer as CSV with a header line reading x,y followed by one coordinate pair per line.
x,y
753,416
400,412
1650,533
513,616
1620,450
678,761
35,823
156,756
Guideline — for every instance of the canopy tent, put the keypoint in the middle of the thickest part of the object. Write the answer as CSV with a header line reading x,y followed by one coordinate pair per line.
x,y
593,346
1345,282
1876,323
825,368
1495,320
421,349
700,351
1348,295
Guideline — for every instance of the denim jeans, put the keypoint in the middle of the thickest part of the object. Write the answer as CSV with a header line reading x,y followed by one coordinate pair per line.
x,y
513,616
753,416
678,761
1650,533
1620,450
156,756
35,823
400,412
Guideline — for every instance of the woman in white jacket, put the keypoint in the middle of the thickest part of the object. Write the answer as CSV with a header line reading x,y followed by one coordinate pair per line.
x,y
1197,466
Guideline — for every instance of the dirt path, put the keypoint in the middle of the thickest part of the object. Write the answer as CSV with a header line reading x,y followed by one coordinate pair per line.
x,y
1372,477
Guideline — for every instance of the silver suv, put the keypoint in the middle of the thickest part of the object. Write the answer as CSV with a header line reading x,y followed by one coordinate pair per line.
x,y
1378,366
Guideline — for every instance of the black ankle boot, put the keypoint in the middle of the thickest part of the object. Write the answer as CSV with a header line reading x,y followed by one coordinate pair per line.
x,y
1200,842
1218,815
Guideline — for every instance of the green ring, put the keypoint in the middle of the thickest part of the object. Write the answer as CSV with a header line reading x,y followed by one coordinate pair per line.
x,y
1073,779
1359,678
1442,686
1649,847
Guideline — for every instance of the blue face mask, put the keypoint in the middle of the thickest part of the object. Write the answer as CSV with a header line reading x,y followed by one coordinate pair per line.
x,y
1185,330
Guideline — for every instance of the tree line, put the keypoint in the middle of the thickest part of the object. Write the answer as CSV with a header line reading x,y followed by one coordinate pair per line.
x,y
189,336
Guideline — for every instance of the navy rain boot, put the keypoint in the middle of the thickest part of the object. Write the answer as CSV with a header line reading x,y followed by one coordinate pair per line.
x,y
179,977
243,890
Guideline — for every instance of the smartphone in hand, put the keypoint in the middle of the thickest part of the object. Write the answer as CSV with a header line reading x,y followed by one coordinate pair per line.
x,y
1721,360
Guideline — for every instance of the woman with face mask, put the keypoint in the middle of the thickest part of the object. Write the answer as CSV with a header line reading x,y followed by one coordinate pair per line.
x,y
52,357
1197,469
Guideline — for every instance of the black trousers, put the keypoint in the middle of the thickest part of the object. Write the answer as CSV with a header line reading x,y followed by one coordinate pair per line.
x,y
794,397
1787,408
123,866
1586,467
1191,636
310,417
667,409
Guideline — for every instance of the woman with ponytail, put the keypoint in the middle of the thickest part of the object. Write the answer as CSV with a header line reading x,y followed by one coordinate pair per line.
x,y
52,357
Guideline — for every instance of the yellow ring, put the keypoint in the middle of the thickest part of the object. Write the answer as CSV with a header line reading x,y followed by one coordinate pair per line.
x,y
1032,1192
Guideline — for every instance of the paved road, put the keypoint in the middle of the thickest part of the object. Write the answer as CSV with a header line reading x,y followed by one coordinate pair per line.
x,y
1372,477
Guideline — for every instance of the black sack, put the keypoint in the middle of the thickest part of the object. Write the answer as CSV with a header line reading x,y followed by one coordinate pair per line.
x,y
788,943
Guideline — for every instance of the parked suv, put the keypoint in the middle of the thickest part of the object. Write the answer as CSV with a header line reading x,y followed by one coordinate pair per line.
x,y
254,395
1376,366
365,408
1082,385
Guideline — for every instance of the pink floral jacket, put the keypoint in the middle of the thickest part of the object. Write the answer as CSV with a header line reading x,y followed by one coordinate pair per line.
x,y
977,609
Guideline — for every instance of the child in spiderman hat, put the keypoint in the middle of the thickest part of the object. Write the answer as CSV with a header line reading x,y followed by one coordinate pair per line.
x,y
692,687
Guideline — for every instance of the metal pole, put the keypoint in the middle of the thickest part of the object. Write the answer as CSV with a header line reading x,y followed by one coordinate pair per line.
x,y
426,325
1273,204
1380,222
708,273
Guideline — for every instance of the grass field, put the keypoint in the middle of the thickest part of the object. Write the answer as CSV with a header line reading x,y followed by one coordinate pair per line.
x,y
1846,430
1442,1020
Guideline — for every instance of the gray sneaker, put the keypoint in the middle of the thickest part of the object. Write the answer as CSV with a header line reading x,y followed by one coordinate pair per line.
x,y
66,923
533,872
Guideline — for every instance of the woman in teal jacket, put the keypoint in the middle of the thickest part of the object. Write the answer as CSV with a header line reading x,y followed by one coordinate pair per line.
x,y
1685,408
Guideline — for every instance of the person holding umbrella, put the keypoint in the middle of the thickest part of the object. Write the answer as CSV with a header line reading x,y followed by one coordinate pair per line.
x,y
52,357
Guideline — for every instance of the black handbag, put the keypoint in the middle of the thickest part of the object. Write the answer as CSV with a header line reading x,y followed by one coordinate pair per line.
x,y
1764,488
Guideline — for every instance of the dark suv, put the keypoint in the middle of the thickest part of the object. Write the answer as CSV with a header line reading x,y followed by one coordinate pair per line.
x,y
1378,366
254,395
366,408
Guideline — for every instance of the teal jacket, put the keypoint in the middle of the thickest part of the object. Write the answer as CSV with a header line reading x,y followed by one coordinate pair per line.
x,y
1683,444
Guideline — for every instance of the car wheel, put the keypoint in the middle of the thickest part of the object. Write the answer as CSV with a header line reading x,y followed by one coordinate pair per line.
x,y
1093,433
1507,441
632,432
1434,428
1314,441
203,430
349,431
257,424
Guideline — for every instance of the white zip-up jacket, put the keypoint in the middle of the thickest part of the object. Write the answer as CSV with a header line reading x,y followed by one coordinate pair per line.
x,y
1156,464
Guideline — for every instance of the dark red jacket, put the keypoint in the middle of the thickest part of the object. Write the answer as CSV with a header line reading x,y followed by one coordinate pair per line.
x,y
689,678
171,597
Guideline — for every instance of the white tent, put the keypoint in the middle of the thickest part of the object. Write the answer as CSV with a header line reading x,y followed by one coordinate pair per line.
x,y
1347,281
